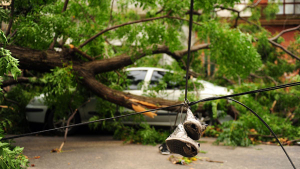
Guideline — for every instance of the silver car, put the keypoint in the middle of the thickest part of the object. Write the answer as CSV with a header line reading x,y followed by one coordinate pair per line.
x,y
38,112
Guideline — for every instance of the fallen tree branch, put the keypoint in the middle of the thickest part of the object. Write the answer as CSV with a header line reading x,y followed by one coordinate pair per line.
x,y
68,124
284,49
105,65
283,32
121,98
13,81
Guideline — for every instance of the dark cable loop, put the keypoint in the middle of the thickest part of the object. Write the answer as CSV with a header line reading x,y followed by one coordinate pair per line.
x,y
189,47
267,127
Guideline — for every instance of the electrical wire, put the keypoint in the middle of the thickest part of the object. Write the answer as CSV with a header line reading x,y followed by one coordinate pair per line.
x,y
189,48
190,104
162,108
267,127
244,93
80,124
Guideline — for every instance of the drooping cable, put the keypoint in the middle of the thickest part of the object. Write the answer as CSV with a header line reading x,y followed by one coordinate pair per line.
x,y
189,48
267,127
190,104
244,93
80,124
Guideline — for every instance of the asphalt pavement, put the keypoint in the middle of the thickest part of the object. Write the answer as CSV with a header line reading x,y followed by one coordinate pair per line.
x,y
98,151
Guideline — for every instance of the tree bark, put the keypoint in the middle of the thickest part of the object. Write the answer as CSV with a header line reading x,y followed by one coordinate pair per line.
x,y
46,60
119,97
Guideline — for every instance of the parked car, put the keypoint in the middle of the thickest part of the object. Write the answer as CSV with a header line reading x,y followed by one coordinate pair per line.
x,y
38,112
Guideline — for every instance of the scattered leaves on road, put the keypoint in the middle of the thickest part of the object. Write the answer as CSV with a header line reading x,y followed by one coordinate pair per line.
x,y
188,160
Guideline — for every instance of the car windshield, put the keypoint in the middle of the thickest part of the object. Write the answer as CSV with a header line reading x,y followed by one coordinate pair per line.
x,y
158,76
136,77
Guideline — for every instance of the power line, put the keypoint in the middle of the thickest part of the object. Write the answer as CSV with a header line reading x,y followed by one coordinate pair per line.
x,y
189,48
267,127
80,124
162,108
244,93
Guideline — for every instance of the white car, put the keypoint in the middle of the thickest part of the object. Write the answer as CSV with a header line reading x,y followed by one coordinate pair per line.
x,y
38,112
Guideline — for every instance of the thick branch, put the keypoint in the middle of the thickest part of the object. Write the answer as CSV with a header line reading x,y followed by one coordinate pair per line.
x,y
285,31
284,49
117,26
13,81
40,60
106,65
12,6
118,97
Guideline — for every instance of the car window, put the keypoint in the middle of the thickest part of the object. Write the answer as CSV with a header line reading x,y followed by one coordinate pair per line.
x,y
136,77
157,76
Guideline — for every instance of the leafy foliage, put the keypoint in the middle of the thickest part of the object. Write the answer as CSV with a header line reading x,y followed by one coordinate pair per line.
x,y
9,157
7,62
236,133
271,10
12,157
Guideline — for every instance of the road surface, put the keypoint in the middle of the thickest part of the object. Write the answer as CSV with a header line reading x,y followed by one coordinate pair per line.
x,y
96,151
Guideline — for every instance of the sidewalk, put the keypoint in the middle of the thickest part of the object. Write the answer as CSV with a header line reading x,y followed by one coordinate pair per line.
x,y
90,152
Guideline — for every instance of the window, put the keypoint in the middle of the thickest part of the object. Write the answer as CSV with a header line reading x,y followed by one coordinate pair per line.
x,y
157,76
136,77
289,7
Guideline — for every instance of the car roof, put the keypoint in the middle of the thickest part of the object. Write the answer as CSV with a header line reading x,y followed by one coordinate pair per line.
x,y
146,68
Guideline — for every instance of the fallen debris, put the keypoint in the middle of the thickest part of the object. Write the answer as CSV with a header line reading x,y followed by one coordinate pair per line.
x,y
188,160
214,161
55,150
